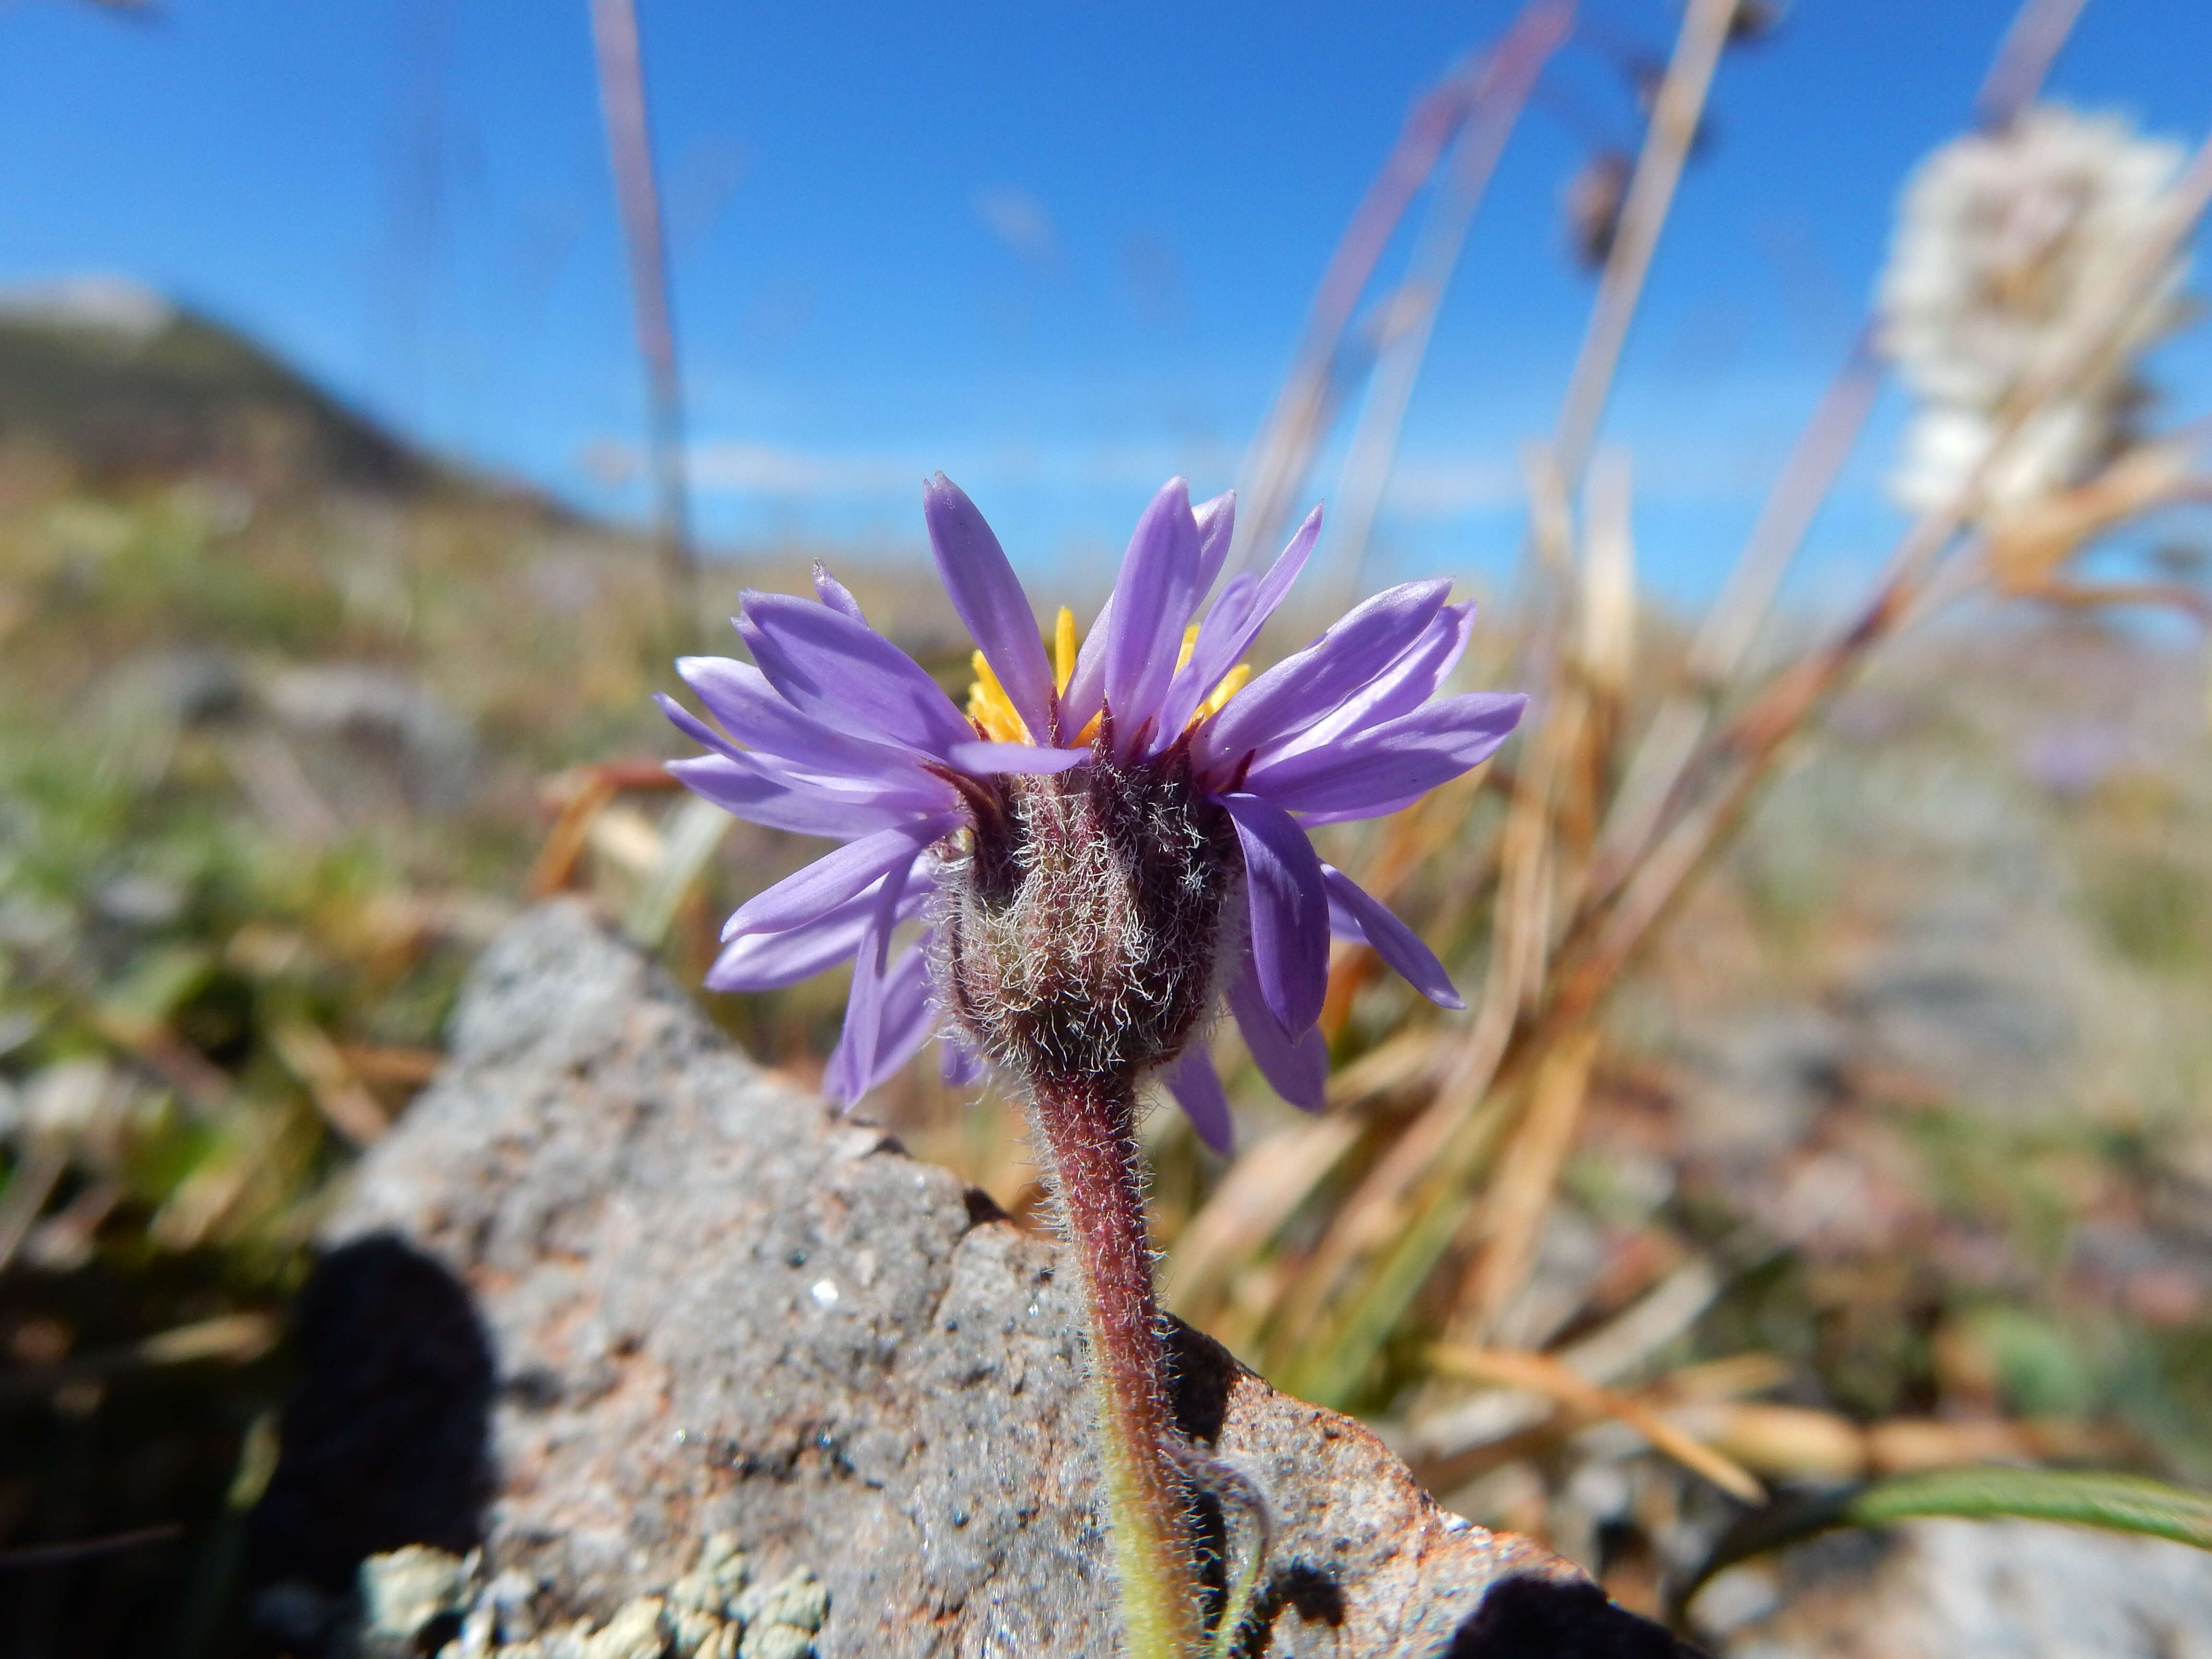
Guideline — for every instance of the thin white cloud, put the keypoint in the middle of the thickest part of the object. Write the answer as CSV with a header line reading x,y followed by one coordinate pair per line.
x,y
1436,488
768,469
1022,222
734,466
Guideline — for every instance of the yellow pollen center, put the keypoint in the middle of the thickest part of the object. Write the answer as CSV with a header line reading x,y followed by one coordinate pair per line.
x,y
993,713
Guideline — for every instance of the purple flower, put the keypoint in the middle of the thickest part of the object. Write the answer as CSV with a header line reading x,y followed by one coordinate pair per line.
x,y
1067,876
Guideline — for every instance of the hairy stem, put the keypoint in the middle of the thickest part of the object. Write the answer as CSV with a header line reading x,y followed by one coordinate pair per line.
x,y
1086,1131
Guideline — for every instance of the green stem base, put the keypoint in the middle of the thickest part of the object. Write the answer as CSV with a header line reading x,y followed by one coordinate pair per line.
x,y
1086,1131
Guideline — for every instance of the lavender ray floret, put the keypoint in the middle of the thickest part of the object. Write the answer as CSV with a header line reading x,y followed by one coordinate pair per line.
x,y
834,878
1232,624
1288,909
1404,686
1197,1088
1405,757
1297,1067
1355,814
1217,529
751,787
768,962
754,713
984,760
989,598
910,1015
1354,913
1306,686
1086,686
908,1018
835,594
828,665
693,727
958,1065
1153,598
855,1059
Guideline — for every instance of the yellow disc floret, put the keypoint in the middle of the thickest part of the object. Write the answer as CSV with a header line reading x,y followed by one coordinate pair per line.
x,y
991,708
1063,649
995,717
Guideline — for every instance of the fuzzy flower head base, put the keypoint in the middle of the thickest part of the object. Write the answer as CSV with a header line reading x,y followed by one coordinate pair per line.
x,y
1064,878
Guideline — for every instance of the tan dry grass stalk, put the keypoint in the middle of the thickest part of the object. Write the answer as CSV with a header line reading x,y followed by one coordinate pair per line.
x,y
1333,1306
1542,1374
629,144
1495,88
1510,76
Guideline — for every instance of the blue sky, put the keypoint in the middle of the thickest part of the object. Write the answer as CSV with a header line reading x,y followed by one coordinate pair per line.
x,y
1061,251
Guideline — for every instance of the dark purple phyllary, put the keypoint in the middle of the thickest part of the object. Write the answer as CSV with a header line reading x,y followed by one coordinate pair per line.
x,y
1094,851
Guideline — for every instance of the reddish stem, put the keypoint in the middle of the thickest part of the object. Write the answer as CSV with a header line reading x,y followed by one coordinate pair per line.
x,y
1086,1130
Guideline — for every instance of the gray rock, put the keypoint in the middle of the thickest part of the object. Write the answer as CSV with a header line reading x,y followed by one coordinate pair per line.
x,y
714,1308
1997,1589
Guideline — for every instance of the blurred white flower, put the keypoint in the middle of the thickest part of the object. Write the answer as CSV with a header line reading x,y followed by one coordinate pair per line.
x,y
2001,237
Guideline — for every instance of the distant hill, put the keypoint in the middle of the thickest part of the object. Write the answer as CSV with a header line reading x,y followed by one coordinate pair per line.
x,y
124,383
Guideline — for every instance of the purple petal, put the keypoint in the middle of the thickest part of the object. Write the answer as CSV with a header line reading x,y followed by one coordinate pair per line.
x,y
989,598
1232,603
830,880
1384,767
1354,913
835,594
1197,1088
1217,528
961,1067
1307,686
1298,1069
1402,687
984,760
693,727
853,1067
910,1014
828,665
1086,686
752,711
1231,626
751,787
1288,909
768,962
1353,815
1153,598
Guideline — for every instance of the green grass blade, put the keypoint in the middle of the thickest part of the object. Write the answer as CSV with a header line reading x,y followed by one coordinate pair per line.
x,y
2114,1503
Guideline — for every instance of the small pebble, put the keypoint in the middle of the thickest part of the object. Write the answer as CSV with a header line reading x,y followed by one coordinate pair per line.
x,y
800,1600
403,1592
634,1632
692,1628
777,1642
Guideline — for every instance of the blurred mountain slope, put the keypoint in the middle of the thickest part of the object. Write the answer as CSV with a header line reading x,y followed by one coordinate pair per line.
x,y
127,385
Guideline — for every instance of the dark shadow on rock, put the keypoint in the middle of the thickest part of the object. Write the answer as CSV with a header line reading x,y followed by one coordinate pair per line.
x,y
1201,1373
387,1437
1302,1588
1530,1618
982,1208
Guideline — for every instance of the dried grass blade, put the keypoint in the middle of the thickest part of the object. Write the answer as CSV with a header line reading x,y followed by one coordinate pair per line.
x,y
1542,1374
